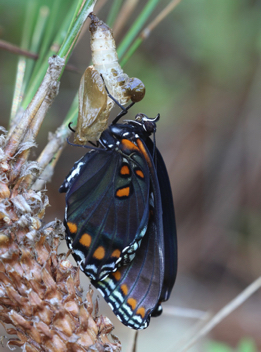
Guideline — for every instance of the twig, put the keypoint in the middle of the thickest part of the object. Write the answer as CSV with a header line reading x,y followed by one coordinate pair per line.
x,y
18,51
52,150
134,349
186,313
224,312
125,12
145,33
44,95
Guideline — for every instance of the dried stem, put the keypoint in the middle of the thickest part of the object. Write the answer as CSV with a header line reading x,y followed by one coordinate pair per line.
x,y
224,312
166,11
52,150
41,101
147,31
127,9
17,50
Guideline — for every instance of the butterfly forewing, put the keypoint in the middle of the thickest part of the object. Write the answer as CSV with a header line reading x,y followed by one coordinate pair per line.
x,y
107,210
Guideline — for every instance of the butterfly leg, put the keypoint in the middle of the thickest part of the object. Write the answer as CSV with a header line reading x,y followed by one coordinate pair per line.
x,y
70,128
124,110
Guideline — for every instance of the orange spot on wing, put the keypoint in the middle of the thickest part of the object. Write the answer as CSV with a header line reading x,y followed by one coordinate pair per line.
x,y
72,227
124,289
125,170
123,192
132,302
99,253
141,312
128,145
139,173
144,151
86,240
117,275
116,253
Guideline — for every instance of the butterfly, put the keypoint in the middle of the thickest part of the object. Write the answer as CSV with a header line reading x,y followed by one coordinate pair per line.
x,y
120,222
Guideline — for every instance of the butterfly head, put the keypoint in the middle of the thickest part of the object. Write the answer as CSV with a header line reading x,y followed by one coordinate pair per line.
x,y
147,124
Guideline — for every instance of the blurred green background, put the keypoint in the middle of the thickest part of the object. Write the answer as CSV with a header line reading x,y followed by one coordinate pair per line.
x,y
202,71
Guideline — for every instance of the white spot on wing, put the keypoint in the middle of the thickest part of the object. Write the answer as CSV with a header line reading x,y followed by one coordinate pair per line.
x,y
127,310
142,233
119,317
75,172
119,296
111,305
91,268
80,254
102,293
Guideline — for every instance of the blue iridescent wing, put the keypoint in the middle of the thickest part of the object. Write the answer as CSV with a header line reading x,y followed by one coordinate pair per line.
x,y
106,209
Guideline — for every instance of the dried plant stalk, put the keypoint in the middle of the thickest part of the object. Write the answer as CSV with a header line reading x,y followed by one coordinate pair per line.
x,y
40,293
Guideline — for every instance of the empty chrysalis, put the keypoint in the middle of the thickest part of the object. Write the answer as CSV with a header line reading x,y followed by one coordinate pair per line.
x,y
94,103
94,109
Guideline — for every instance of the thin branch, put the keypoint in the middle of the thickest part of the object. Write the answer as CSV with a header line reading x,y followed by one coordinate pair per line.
x,y
224,312
49,157
186,313
45,91
14,49
159,18
127,9
147,31
137,26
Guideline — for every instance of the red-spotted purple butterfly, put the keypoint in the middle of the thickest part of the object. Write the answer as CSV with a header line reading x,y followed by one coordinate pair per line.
x,y
120,222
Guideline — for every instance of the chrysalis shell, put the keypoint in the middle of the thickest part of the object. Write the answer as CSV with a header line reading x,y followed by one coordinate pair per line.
x,y
105,61
94,103
93,107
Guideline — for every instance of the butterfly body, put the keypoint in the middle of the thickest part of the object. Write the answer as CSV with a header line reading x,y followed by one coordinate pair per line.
x,y
117,224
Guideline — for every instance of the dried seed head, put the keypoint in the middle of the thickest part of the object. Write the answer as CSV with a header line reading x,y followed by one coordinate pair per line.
x,y
40,293
4,191
3,238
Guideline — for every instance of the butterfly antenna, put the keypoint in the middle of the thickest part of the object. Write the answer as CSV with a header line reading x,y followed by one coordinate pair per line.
x,y
70,128
124,110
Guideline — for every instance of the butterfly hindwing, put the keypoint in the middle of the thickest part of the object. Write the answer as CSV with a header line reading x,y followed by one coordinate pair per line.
x,y
106,210
169,224
133,290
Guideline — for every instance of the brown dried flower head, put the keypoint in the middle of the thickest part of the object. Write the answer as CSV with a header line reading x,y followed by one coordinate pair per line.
x,y
40,293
